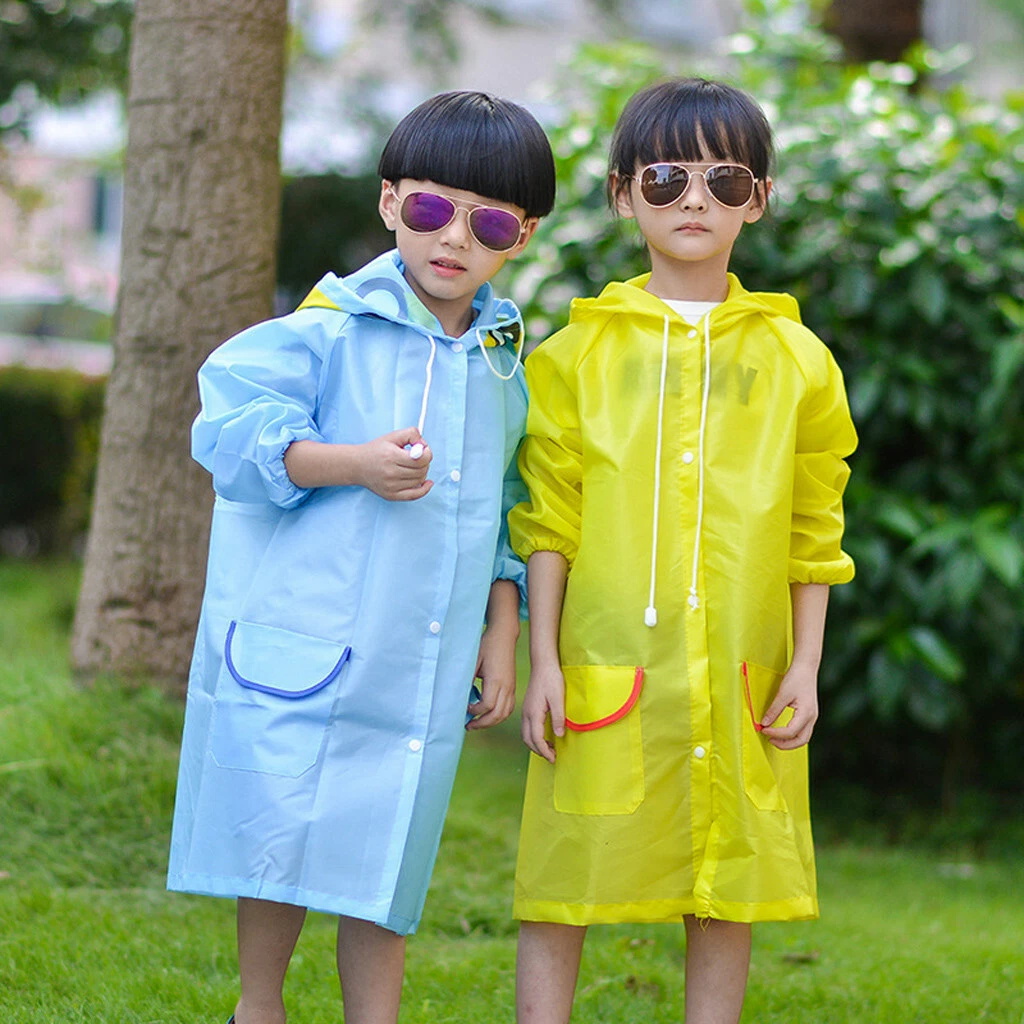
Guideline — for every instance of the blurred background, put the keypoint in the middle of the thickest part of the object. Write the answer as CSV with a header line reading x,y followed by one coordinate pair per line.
x,y
897,222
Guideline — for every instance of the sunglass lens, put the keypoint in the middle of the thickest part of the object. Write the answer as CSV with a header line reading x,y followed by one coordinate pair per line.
x,y
663,184
495,229
424,212
730,184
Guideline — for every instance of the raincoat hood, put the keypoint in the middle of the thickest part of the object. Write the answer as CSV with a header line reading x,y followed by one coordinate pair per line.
x,y
629,297
380,289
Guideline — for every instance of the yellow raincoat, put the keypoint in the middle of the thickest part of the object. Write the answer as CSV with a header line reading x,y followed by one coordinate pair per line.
x,y
664,800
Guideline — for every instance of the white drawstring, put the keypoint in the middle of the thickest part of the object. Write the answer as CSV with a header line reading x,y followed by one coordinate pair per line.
x,y
694,600
417,449
481,335
651,612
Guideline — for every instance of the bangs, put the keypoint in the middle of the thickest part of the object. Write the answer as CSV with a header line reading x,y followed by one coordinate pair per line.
x,y
691,139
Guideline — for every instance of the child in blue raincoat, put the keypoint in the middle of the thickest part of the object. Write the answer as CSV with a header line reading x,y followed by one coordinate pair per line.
x,y
363,456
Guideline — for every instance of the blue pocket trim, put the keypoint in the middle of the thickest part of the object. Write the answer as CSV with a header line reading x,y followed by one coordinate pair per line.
x,y
251,684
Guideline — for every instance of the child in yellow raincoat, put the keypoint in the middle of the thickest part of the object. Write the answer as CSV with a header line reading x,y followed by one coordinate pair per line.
x,y
685,457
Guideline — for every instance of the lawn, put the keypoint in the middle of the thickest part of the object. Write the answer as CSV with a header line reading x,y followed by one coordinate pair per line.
x,y
87,932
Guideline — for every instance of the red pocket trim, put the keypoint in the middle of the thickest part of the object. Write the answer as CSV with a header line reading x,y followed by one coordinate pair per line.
x,y
750,704
634,696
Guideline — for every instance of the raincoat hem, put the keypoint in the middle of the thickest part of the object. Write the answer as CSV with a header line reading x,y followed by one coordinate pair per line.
x,y
804,908
246,888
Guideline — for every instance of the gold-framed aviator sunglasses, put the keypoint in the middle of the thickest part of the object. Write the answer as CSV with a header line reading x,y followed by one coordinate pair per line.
x,y
662,184
426,212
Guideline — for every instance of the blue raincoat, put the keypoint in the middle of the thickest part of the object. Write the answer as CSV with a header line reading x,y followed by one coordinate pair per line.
x,y
339,631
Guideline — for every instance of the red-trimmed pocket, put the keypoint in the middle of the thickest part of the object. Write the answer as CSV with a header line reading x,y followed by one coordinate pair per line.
x,y
763,763
619,712
599,762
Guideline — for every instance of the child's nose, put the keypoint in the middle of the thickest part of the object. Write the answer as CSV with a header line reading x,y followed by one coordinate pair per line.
x,y
695,195
456,232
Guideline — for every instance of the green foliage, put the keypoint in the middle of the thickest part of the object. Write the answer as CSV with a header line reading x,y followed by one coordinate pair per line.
x,y
328,222
896,222
50,423
59,50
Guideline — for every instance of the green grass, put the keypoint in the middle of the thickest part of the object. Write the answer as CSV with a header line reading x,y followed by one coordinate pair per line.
x,y
87,932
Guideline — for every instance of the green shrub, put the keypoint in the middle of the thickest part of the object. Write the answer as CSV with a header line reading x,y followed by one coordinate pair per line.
x,y
896,221
328,222
50,425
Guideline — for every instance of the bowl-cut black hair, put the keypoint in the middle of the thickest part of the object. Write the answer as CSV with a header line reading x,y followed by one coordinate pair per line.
x,y
670,120
477,142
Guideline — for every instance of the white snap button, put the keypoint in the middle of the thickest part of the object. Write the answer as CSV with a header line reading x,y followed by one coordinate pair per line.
x,y
692,334
435,627
457,347
456,475
687,457
699,752
414,745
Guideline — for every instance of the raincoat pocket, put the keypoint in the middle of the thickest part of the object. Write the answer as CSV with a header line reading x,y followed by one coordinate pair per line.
x,y
274,698
763,764
599,766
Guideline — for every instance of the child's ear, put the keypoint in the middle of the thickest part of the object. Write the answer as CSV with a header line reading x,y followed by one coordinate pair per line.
x,y
755,211
529,226
622,198
388,205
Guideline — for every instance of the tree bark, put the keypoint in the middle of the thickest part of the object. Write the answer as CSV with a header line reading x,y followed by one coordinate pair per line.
x,y
875,29
202,199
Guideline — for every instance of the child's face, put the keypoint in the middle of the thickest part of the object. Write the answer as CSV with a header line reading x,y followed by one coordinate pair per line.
x,y
446,266
694,229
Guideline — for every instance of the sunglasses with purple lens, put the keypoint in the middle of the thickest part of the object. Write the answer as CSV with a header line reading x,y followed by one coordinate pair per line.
x,y
425,212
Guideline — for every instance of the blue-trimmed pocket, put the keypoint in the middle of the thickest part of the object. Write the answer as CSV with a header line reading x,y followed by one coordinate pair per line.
x,y
275,694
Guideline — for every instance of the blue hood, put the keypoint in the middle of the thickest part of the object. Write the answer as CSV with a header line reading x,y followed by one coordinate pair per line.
x,y
380,289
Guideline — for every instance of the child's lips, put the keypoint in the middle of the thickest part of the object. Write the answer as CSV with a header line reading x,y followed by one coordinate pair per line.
x,y
447,268
692,227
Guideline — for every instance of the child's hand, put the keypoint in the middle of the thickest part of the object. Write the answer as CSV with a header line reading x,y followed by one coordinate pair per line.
x,y
496,670
544,696
798,690
388,469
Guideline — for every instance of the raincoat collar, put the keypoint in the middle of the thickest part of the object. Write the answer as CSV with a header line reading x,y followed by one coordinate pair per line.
x,y
380,289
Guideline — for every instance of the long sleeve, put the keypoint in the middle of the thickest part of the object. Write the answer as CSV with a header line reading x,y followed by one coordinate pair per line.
x,y
825,438
259,394
551,464
507,566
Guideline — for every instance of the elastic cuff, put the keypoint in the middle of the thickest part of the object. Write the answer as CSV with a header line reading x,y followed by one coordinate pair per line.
x,y
280,488
832,573
506,568
556,544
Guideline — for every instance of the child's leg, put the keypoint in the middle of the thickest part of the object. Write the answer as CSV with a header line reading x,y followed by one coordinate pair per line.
x,y
267,933
371,962
717,963
547,965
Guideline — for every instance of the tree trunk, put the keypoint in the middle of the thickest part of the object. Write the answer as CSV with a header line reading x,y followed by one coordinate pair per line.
x,y
202,198
875,29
